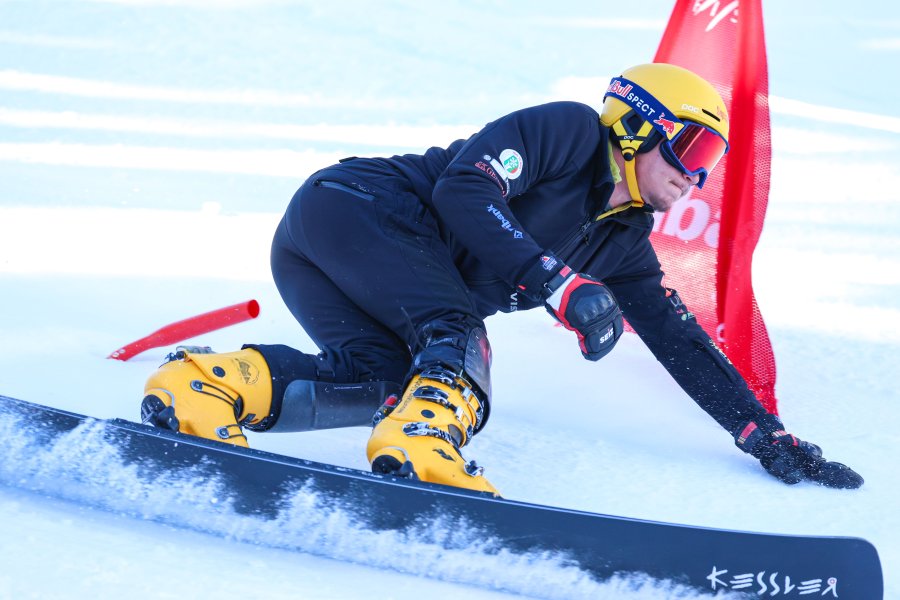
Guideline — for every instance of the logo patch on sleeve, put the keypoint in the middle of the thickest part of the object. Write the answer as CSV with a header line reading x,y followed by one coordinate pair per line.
x,y
512,163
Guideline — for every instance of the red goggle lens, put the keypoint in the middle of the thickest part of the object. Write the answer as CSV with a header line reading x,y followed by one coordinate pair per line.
x,y
698,148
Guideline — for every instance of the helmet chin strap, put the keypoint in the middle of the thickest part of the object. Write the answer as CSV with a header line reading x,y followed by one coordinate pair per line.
x,y
631,180
629,145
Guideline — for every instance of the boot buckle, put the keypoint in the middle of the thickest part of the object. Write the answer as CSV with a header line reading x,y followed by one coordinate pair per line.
x,y
419,429
439,374
473,470
432,394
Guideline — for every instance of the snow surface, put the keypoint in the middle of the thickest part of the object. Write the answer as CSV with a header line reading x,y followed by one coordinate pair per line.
x,y
147,148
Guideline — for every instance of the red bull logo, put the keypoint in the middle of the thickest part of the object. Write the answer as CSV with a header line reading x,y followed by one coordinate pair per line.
x,y
667,125
616,88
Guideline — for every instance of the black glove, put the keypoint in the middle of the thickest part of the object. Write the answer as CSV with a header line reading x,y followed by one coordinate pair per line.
x,y
586,306
790,459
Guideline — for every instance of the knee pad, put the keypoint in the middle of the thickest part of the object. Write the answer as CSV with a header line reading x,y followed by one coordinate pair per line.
x,y
313,405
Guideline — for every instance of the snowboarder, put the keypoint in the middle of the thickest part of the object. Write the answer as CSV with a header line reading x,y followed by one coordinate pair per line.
x,y
391,266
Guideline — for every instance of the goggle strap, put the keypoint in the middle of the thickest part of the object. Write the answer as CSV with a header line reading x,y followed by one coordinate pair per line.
x,y
645,104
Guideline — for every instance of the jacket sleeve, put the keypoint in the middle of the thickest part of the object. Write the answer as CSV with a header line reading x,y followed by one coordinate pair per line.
x,y
672,334
506,159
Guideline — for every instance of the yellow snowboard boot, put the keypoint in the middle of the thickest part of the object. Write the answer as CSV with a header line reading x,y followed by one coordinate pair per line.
x,y
210,395
421,435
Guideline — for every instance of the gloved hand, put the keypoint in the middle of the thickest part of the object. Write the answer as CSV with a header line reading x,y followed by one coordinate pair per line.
x,y
790,459
586,306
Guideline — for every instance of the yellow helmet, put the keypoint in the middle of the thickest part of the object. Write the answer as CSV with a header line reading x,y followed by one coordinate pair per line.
x,y
685,93
657,102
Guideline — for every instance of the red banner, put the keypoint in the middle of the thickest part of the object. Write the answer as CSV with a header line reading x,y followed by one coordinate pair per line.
x,y
706,241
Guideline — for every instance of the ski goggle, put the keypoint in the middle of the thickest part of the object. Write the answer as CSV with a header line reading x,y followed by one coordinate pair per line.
x,y
692,148
695,150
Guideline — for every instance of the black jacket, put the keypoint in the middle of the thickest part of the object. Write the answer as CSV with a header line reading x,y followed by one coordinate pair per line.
x,y
537,180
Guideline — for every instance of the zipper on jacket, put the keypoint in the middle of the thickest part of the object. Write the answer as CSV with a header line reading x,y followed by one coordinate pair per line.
x,y
583,231
337,185
573,240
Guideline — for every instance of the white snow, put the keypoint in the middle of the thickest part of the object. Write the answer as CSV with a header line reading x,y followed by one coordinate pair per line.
x,y
146,152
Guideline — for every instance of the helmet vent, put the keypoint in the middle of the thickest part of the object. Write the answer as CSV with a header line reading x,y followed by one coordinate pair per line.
x,y
716,117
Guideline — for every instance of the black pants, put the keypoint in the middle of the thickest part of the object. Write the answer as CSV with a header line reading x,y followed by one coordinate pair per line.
x,y
359,261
